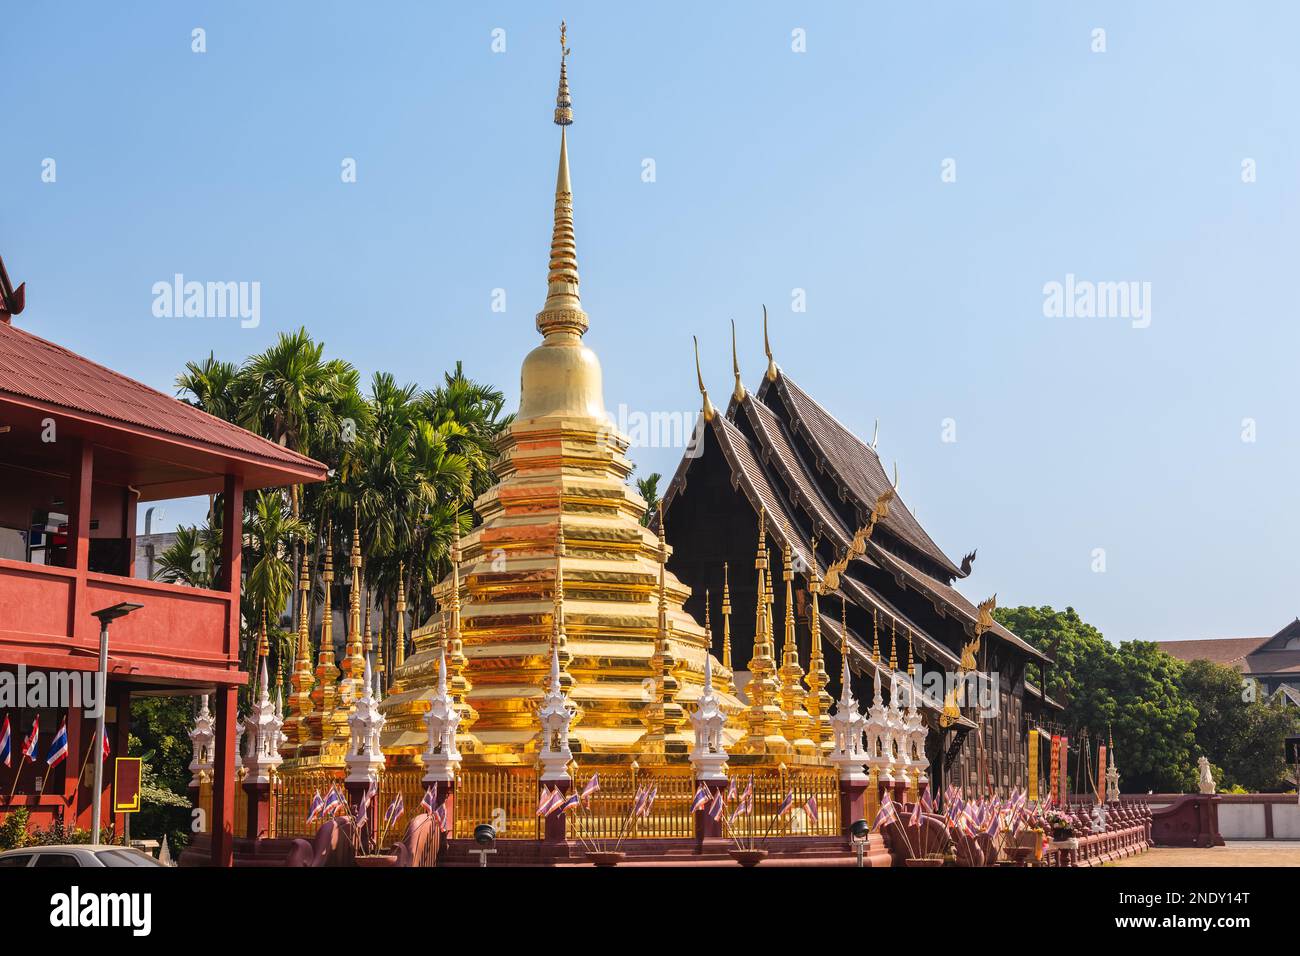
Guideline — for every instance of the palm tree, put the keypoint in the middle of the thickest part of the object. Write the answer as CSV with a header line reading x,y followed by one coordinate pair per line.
x,y
272,531
215,387
192,557
648,488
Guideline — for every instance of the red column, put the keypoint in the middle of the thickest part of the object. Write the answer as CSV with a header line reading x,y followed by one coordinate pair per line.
x,y
222,824
119,742
232,532
707,828
79,496
553,824
853,801
356,791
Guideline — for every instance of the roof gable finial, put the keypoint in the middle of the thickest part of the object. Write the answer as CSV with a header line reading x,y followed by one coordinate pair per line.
x,y
709,410
767,347
739,392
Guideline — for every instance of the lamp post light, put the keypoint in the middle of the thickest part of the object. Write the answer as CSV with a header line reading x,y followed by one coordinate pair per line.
x,y
106,616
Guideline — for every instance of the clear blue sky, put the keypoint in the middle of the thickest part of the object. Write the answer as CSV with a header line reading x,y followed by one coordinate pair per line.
x,y
775,170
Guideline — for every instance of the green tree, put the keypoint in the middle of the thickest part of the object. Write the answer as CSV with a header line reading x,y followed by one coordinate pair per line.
x,y
1240,735
1130,691
648,488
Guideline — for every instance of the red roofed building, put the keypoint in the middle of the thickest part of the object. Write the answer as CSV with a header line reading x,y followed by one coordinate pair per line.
x,y
81,447
1274,661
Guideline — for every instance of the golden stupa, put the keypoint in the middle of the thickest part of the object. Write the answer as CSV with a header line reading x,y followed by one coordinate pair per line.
x,y
560,560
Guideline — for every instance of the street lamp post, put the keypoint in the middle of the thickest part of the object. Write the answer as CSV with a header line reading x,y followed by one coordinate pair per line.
x,y
106,616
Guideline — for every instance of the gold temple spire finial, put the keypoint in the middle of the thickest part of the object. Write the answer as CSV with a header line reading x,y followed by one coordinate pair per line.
x,y
844,643
875,635
767,347
562,312
399,639
709,410
738,393
893,645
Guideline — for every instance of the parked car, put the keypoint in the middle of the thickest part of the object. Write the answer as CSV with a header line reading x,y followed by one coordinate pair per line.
x,y
75,855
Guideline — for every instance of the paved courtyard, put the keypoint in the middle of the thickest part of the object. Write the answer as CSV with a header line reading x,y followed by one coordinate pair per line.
x,y
1236,853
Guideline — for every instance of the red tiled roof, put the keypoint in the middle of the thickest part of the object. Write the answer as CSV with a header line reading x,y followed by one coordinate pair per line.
x,y
34,369
1225,650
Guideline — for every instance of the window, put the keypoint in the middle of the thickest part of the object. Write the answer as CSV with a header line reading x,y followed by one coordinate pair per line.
x,y
56,859
18,859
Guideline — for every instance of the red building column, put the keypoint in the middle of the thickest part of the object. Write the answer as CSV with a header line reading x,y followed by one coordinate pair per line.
x,y
119,742
222,824
707,828
80,483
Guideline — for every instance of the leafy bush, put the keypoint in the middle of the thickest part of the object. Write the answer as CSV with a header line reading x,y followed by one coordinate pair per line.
x,y
13,832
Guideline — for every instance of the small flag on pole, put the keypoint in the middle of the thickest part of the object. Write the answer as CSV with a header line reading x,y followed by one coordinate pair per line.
x,y
317,805
787,804
105,742
395,810
429,803
717,806
58,746
810,807
592,786
6,744
700,799
29,742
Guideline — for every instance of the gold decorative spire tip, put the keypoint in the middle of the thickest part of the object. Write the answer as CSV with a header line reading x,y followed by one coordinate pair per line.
x,y
709,410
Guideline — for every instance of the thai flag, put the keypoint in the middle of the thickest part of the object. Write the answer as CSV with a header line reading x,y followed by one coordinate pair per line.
x,y
886,814
331,805
717,806
572,801
700,799
649,799
430,802
592,786
363,808
731,789
747,798
105,743
317,805
6,744
810,807
787,804
440,817
29,742
550,800
914,819
58,746
926,804
639,799
395,810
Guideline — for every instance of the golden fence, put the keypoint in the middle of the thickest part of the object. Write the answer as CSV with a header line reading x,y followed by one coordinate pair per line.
x,y
770,790
505,798
292,794
608,814
407,782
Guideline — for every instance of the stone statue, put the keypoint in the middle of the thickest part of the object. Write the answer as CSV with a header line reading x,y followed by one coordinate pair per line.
x,y
1207,778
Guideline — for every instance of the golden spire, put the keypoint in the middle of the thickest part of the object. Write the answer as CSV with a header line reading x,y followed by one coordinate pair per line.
x,y
764,717
708,625
367,644
324,721
819,700
738,393
767,348
562,312
798,722
875,635
458,685
726,629
709,410
893,645
300,681
354,661
263,652
399,640
844,644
